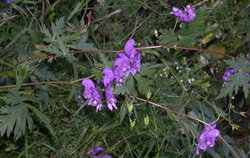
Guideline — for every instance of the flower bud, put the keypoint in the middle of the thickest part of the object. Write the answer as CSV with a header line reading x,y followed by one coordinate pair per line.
x,y
149,95
129,107
132,123
234,126
146,120
242,113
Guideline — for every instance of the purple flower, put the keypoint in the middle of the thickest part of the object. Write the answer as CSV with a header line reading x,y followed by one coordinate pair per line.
x,y
121,68
127,63
92,94
7,1
123,63
134,56
103,156
118,75
207,138
7,11
110,99
186,16
95,150
129,46
108,76
228,72
136,63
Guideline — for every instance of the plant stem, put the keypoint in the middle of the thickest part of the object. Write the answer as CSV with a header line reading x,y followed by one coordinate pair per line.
x,y
153,47
141,48
37,83
191,117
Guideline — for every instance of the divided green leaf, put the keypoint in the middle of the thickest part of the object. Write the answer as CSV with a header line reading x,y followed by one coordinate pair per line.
x,y
14,118
168,38
239,79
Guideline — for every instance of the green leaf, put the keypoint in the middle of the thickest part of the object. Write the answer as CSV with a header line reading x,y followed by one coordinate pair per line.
x,y
123,112
98,74
130,83
120,90
21,73
144,84
147,70
53,50
58,28
168,38
78,8
239,79
43,118
14,118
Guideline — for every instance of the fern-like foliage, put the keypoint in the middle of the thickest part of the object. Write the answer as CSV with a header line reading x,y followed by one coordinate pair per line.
x,y
59,40
14,118
239,79
169,37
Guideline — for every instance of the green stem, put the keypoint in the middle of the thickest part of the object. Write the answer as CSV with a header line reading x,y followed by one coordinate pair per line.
x,y
82,79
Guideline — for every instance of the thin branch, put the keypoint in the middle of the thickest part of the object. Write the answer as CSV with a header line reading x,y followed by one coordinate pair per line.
x,y
97,50
142,48
37,83
153,47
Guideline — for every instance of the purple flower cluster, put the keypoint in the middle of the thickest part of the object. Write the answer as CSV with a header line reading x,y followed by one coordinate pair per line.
x,y
186,16
207,138
125,64
95,150
92,94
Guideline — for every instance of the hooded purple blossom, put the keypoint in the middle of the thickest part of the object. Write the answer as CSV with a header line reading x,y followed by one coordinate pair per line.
x,y
127,63
108,76
103,156
7,11
118,76
134,56
129,46
121,68
123,63
110,99
228,72
186,16
92,94
108,80
7,1
136,63
95,150
207,138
